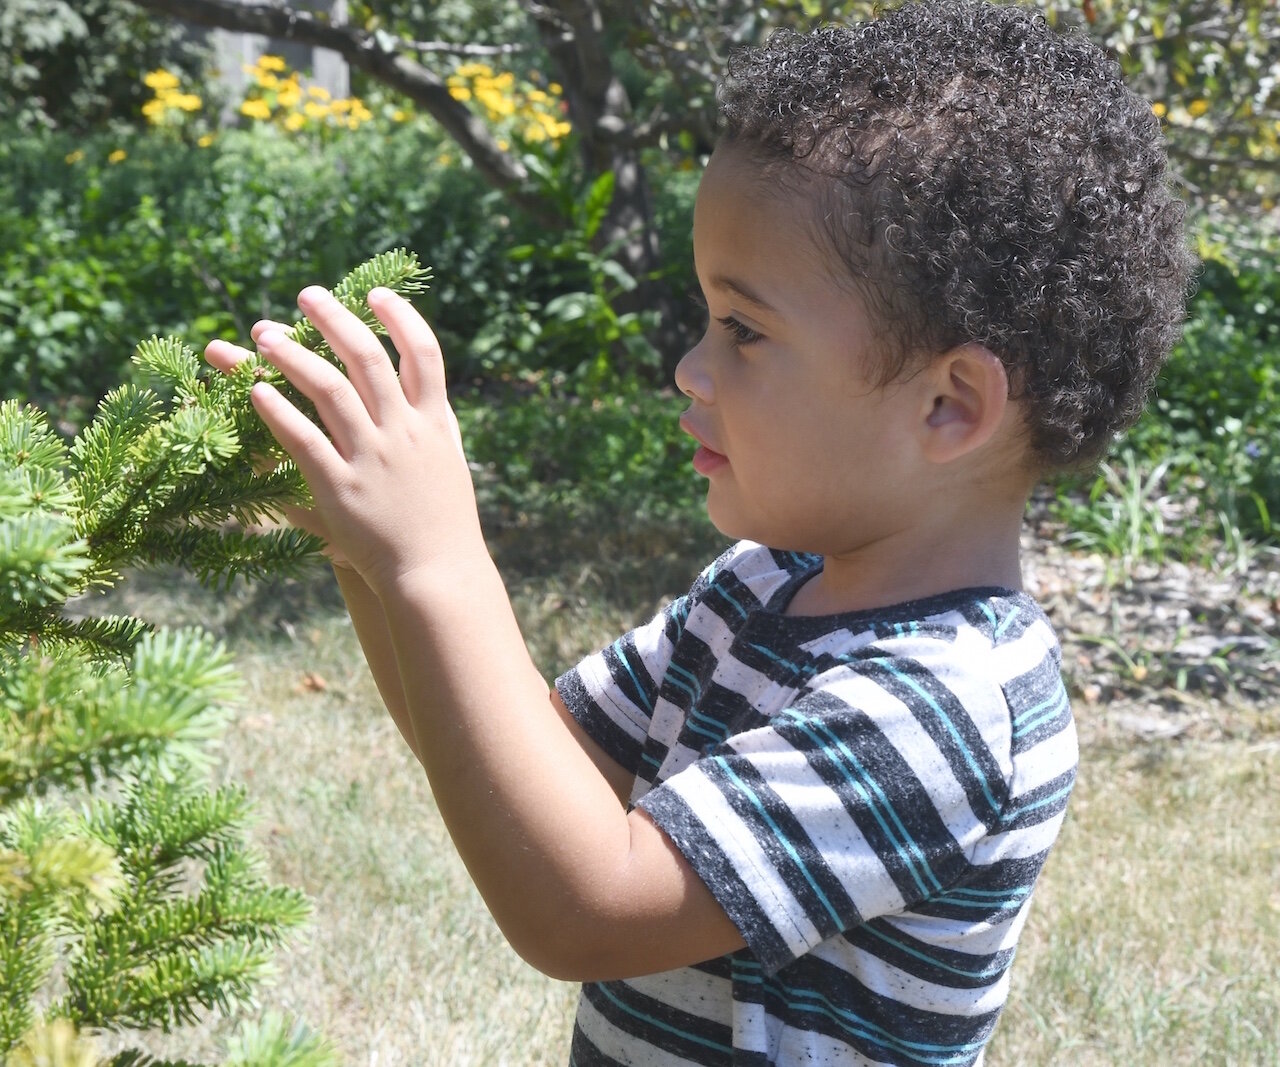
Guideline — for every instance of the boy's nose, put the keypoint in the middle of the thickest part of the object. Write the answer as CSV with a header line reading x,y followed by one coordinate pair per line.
x,y
692,378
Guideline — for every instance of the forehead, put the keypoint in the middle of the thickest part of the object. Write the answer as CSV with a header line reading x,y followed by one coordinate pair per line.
x,y
756,224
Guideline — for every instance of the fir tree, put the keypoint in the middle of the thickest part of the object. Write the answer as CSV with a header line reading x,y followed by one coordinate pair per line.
x,y
106,722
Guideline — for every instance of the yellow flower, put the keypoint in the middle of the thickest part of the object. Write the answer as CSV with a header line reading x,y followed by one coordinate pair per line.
x,y
399,115
314,110
295,120
318,92
256,109
555,89
75,157
185,102
154,110
117,156
1159,109
1197,108
159,80
475,70
289,96
269,62
340,107
205,141
460,92
268,80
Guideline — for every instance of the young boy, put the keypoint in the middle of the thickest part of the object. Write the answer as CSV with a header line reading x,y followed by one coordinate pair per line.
x,y
796,818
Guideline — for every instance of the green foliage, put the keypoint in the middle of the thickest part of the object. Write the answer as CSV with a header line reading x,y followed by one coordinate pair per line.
x,y
1200,473
129,897
79,63
548,447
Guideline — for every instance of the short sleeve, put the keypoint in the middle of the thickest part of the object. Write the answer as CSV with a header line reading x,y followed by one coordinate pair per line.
x,y
850,804
612,693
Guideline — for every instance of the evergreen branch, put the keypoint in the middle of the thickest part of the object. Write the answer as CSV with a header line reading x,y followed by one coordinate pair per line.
x,y
163,992
397,269
160,822
62,724
100,468
218,557
272,1041
41,564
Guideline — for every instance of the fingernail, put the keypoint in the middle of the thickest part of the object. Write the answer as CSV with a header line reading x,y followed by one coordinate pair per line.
x,y
311,294
270,338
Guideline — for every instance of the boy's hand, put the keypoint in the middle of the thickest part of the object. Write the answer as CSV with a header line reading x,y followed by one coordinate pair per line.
x,y
392,489
225,357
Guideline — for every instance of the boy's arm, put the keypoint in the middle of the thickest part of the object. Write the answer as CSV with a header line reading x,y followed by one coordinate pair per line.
x,y
370,624
580,887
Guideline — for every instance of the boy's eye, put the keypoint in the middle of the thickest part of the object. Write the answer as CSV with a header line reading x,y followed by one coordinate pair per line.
x,y
741,334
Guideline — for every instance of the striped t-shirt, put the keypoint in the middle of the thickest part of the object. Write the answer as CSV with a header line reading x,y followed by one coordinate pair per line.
x,y
869,796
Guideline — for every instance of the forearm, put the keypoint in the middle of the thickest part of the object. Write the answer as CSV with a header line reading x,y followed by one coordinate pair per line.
x,y
538,825
370,622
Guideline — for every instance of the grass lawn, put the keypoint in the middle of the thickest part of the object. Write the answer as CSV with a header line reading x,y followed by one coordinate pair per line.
x,y
1155,938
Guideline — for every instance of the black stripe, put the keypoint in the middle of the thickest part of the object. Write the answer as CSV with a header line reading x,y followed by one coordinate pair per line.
x,y
1041,804
598,723
630,673
929,962
953,713
805,993
686,830
697,1040
886,767
794,832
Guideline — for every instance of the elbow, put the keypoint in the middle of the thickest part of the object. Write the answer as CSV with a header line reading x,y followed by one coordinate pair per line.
x,y
567,952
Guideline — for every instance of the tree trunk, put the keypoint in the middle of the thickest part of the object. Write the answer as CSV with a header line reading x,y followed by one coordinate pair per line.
x,y
572,31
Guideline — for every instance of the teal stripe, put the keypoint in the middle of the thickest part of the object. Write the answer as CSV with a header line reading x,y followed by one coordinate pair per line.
x,y
725,594
791,665
717,731
990,894
622,655
686,680
951,729
1013,614
781,838
988,612
1048,711
1061,794
666,1027
909,852
989,972
798,999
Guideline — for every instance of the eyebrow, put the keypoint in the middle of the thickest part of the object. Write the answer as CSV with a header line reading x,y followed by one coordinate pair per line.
x,y
741,289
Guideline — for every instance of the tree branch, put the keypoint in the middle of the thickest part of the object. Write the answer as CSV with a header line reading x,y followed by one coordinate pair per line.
x,y
380,57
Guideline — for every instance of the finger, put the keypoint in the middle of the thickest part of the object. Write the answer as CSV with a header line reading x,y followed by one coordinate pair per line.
x,y
263,325
298,435
421,363
339,406
225,356
361,352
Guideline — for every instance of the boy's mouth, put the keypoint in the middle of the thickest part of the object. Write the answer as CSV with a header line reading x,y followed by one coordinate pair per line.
x,y
706,459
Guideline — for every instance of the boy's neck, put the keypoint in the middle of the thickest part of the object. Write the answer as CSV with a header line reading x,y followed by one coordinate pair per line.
x,y
982,551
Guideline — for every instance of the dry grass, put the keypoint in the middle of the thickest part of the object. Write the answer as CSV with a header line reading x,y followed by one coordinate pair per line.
x,y
1155,938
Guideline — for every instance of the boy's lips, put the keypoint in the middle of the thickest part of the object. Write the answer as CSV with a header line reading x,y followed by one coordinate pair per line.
x,y
706,459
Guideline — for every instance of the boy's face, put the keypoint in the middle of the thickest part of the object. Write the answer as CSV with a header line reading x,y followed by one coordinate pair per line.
x,y
801,451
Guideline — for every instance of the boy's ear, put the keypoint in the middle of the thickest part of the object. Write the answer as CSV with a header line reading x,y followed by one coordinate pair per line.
x,y
965,403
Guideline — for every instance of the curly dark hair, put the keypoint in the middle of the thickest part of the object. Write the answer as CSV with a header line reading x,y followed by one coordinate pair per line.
x,y
983,178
